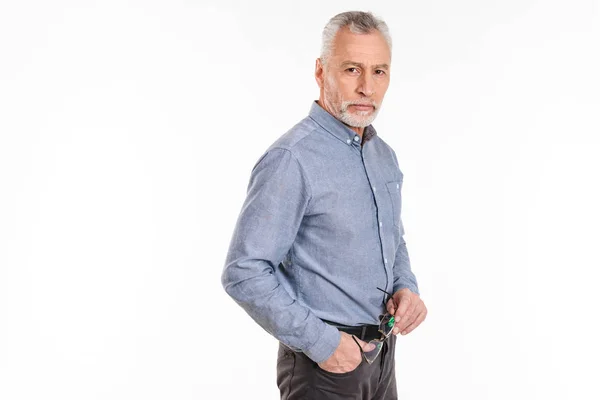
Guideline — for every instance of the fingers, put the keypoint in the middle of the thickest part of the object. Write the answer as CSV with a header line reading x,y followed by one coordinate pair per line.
x,y
401,315
416,322
369,347
408,318
410,313
391,307
366,347
402,307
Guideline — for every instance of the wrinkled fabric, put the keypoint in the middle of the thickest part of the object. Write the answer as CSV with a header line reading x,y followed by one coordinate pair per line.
x,y
318,232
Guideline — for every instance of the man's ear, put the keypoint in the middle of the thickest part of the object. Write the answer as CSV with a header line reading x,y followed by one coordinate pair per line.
x,y
319,73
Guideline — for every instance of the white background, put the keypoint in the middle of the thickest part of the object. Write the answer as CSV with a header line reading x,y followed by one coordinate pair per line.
x,y
128,130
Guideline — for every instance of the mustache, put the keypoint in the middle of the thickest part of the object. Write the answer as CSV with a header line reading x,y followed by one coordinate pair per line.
x,y
349,103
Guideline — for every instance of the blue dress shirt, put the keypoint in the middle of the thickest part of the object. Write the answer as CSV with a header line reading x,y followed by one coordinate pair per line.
x,y
319,231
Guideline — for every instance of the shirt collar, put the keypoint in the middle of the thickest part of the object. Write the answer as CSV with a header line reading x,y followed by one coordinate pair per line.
x,y
336,127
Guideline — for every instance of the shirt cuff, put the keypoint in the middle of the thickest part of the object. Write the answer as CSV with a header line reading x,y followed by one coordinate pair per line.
x,y
326,345
412,288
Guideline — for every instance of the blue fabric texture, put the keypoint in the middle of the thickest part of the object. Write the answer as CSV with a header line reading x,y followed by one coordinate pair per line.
x,y
318,232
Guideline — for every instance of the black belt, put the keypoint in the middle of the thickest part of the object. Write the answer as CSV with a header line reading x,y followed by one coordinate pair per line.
x,y
363,332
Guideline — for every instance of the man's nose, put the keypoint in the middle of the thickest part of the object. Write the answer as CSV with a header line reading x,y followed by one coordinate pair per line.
x,y
367,86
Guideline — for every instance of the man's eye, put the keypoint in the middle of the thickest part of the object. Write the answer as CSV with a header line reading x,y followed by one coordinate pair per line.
x,y
380,72
352,69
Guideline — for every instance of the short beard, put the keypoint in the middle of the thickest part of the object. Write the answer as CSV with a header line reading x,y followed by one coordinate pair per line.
x,y
342,113
355,119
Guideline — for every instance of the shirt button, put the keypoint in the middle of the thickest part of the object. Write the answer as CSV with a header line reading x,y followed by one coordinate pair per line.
x,y
348,141
380,223
385,260
397,186
356,138
374,189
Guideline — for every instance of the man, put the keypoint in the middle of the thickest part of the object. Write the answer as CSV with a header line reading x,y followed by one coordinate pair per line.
x,y
319,240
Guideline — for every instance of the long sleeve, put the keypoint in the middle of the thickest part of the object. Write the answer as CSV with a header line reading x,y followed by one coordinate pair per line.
x,y
403,275
277,198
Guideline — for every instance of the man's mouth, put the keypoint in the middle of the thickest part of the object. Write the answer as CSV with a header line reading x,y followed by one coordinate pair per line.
x,y
362,107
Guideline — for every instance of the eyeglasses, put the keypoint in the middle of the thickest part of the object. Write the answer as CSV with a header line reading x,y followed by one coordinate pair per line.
x,y
386,325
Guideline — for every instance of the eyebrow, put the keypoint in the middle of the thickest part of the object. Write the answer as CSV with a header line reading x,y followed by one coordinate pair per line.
x,y
378,66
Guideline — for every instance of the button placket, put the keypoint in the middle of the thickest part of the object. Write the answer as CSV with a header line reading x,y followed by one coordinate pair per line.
x,y
382,235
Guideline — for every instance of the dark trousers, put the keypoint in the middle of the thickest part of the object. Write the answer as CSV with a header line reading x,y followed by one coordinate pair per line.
x,y
300,378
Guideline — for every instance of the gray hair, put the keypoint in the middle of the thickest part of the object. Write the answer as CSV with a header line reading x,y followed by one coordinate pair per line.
x,y
359,22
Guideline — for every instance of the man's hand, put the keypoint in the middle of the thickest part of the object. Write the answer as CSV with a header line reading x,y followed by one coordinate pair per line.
x,y
408,310
346,357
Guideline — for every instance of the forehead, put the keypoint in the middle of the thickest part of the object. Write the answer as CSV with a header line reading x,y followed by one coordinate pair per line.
x,y
369,48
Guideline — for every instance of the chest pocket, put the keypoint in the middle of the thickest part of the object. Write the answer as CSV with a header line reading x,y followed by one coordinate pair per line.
x,y
396,200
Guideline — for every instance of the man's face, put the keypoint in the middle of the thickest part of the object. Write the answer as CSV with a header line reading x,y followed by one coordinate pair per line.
x,y
355,78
